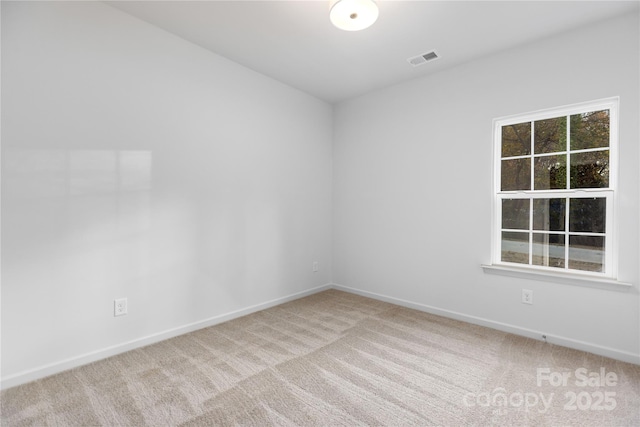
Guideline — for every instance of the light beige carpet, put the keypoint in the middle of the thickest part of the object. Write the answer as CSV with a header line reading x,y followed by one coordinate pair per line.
x,y
337,359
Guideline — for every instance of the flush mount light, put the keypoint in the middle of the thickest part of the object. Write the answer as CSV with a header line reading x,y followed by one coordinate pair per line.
x,y
353,15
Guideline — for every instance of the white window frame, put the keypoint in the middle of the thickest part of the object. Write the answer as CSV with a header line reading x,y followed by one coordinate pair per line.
x,y
611,253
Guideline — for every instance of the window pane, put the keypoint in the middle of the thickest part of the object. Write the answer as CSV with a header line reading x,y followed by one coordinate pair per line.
x,y
515,247
515,214
516,175
550,172
588,215
549,214
516,139
548,250
590,130
586,253
590,170
550,135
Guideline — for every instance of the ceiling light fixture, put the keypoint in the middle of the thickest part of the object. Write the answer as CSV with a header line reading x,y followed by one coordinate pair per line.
x,y
353,15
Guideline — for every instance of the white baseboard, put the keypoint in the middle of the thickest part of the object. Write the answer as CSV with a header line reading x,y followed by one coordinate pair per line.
x,y
504,327
76,361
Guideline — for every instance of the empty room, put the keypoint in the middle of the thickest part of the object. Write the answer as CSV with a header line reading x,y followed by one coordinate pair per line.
x,y
320,213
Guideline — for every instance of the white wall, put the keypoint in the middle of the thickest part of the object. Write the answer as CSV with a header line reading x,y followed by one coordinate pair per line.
x,y
138,165
413,182
135,164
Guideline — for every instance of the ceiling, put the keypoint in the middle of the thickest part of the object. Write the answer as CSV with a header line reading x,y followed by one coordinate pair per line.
x,y
294,42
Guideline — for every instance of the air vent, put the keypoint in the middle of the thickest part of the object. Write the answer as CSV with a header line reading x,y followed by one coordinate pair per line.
x,y
423,59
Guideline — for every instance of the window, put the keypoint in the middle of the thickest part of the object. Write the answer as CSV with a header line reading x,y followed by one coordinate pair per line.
x,y
554,189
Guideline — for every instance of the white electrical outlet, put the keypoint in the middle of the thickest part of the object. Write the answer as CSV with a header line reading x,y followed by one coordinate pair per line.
x,y
120,307
315,266
527,296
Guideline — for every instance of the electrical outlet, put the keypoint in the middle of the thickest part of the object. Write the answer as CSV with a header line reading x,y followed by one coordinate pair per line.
x,y
315,266
120,307
527,296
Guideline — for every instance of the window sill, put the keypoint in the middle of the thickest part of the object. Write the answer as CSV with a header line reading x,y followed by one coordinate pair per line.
x,y
565,278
